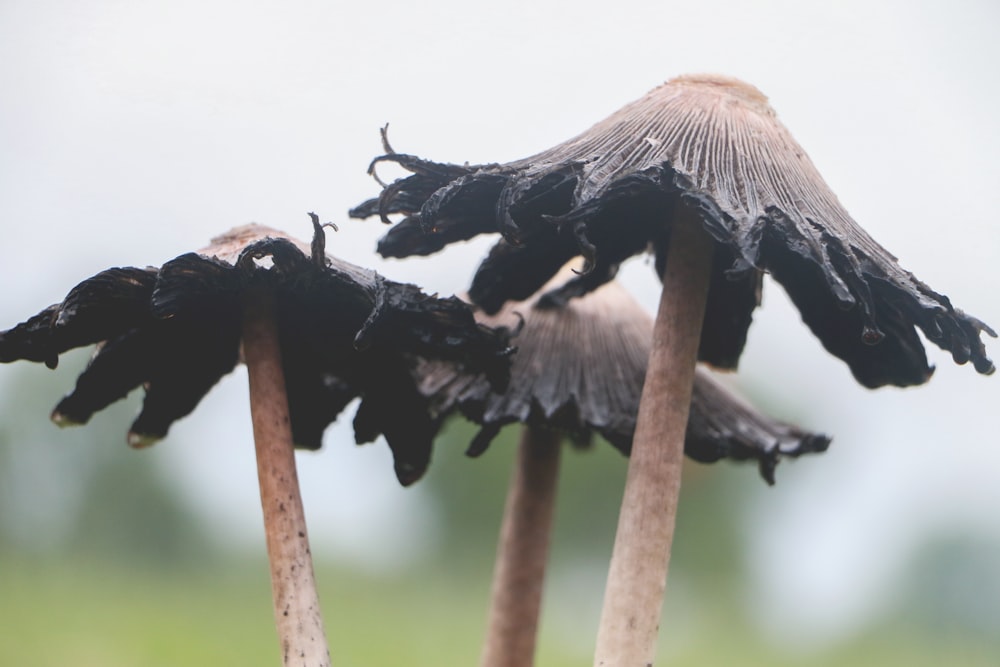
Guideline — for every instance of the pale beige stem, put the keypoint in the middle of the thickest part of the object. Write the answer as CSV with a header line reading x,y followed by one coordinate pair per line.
x,y
519,574
296,604
633,597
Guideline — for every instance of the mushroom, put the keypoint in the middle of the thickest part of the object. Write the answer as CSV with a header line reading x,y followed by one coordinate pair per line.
x,y
579,370
700,169
316,332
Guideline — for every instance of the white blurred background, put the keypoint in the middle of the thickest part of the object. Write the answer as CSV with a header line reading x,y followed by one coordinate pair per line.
x,y
131,132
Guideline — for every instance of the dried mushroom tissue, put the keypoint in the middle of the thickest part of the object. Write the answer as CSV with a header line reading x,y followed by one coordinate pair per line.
x,y
345,332
579,369
713,145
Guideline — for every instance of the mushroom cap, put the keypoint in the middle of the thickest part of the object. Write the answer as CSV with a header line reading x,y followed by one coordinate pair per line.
x,y
345,332
580,368
713,145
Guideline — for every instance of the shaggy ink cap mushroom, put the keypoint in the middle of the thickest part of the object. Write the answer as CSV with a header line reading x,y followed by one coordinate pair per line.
x,y
345,332
714,145
579,369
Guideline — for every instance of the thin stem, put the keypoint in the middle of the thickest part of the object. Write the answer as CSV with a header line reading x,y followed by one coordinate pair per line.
x,y
633,598
296,604
516,598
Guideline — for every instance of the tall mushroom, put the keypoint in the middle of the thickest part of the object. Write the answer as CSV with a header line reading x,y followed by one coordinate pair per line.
x,y
579,370
316,332
700,169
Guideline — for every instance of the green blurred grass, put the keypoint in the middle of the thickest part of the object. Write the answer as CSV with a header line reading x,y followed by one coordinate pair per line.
x,y
89,614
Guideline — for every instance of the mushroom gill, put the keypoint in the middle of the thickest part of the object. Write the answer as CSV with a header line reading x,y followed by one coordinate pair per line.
x,y
712,144
579,369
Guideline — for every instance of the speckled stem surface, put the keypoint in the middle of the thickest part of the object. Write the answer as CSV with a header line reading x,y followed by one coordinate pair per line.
x,y
519,574
633,597
296,604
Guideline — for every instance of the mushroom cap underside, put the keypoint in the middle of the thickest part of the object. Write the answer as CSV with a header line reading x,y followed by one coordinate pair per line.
x,y
579,368
711,145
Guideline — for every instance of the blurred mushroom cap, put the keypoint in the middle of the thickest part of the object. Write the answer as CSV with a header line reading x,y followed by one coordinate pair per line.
x,y
579,368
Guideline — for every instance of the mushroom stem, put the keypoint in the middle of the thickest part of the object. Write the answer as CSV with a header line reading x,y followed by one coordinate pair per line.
x,y
516,598
296,603
633,597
